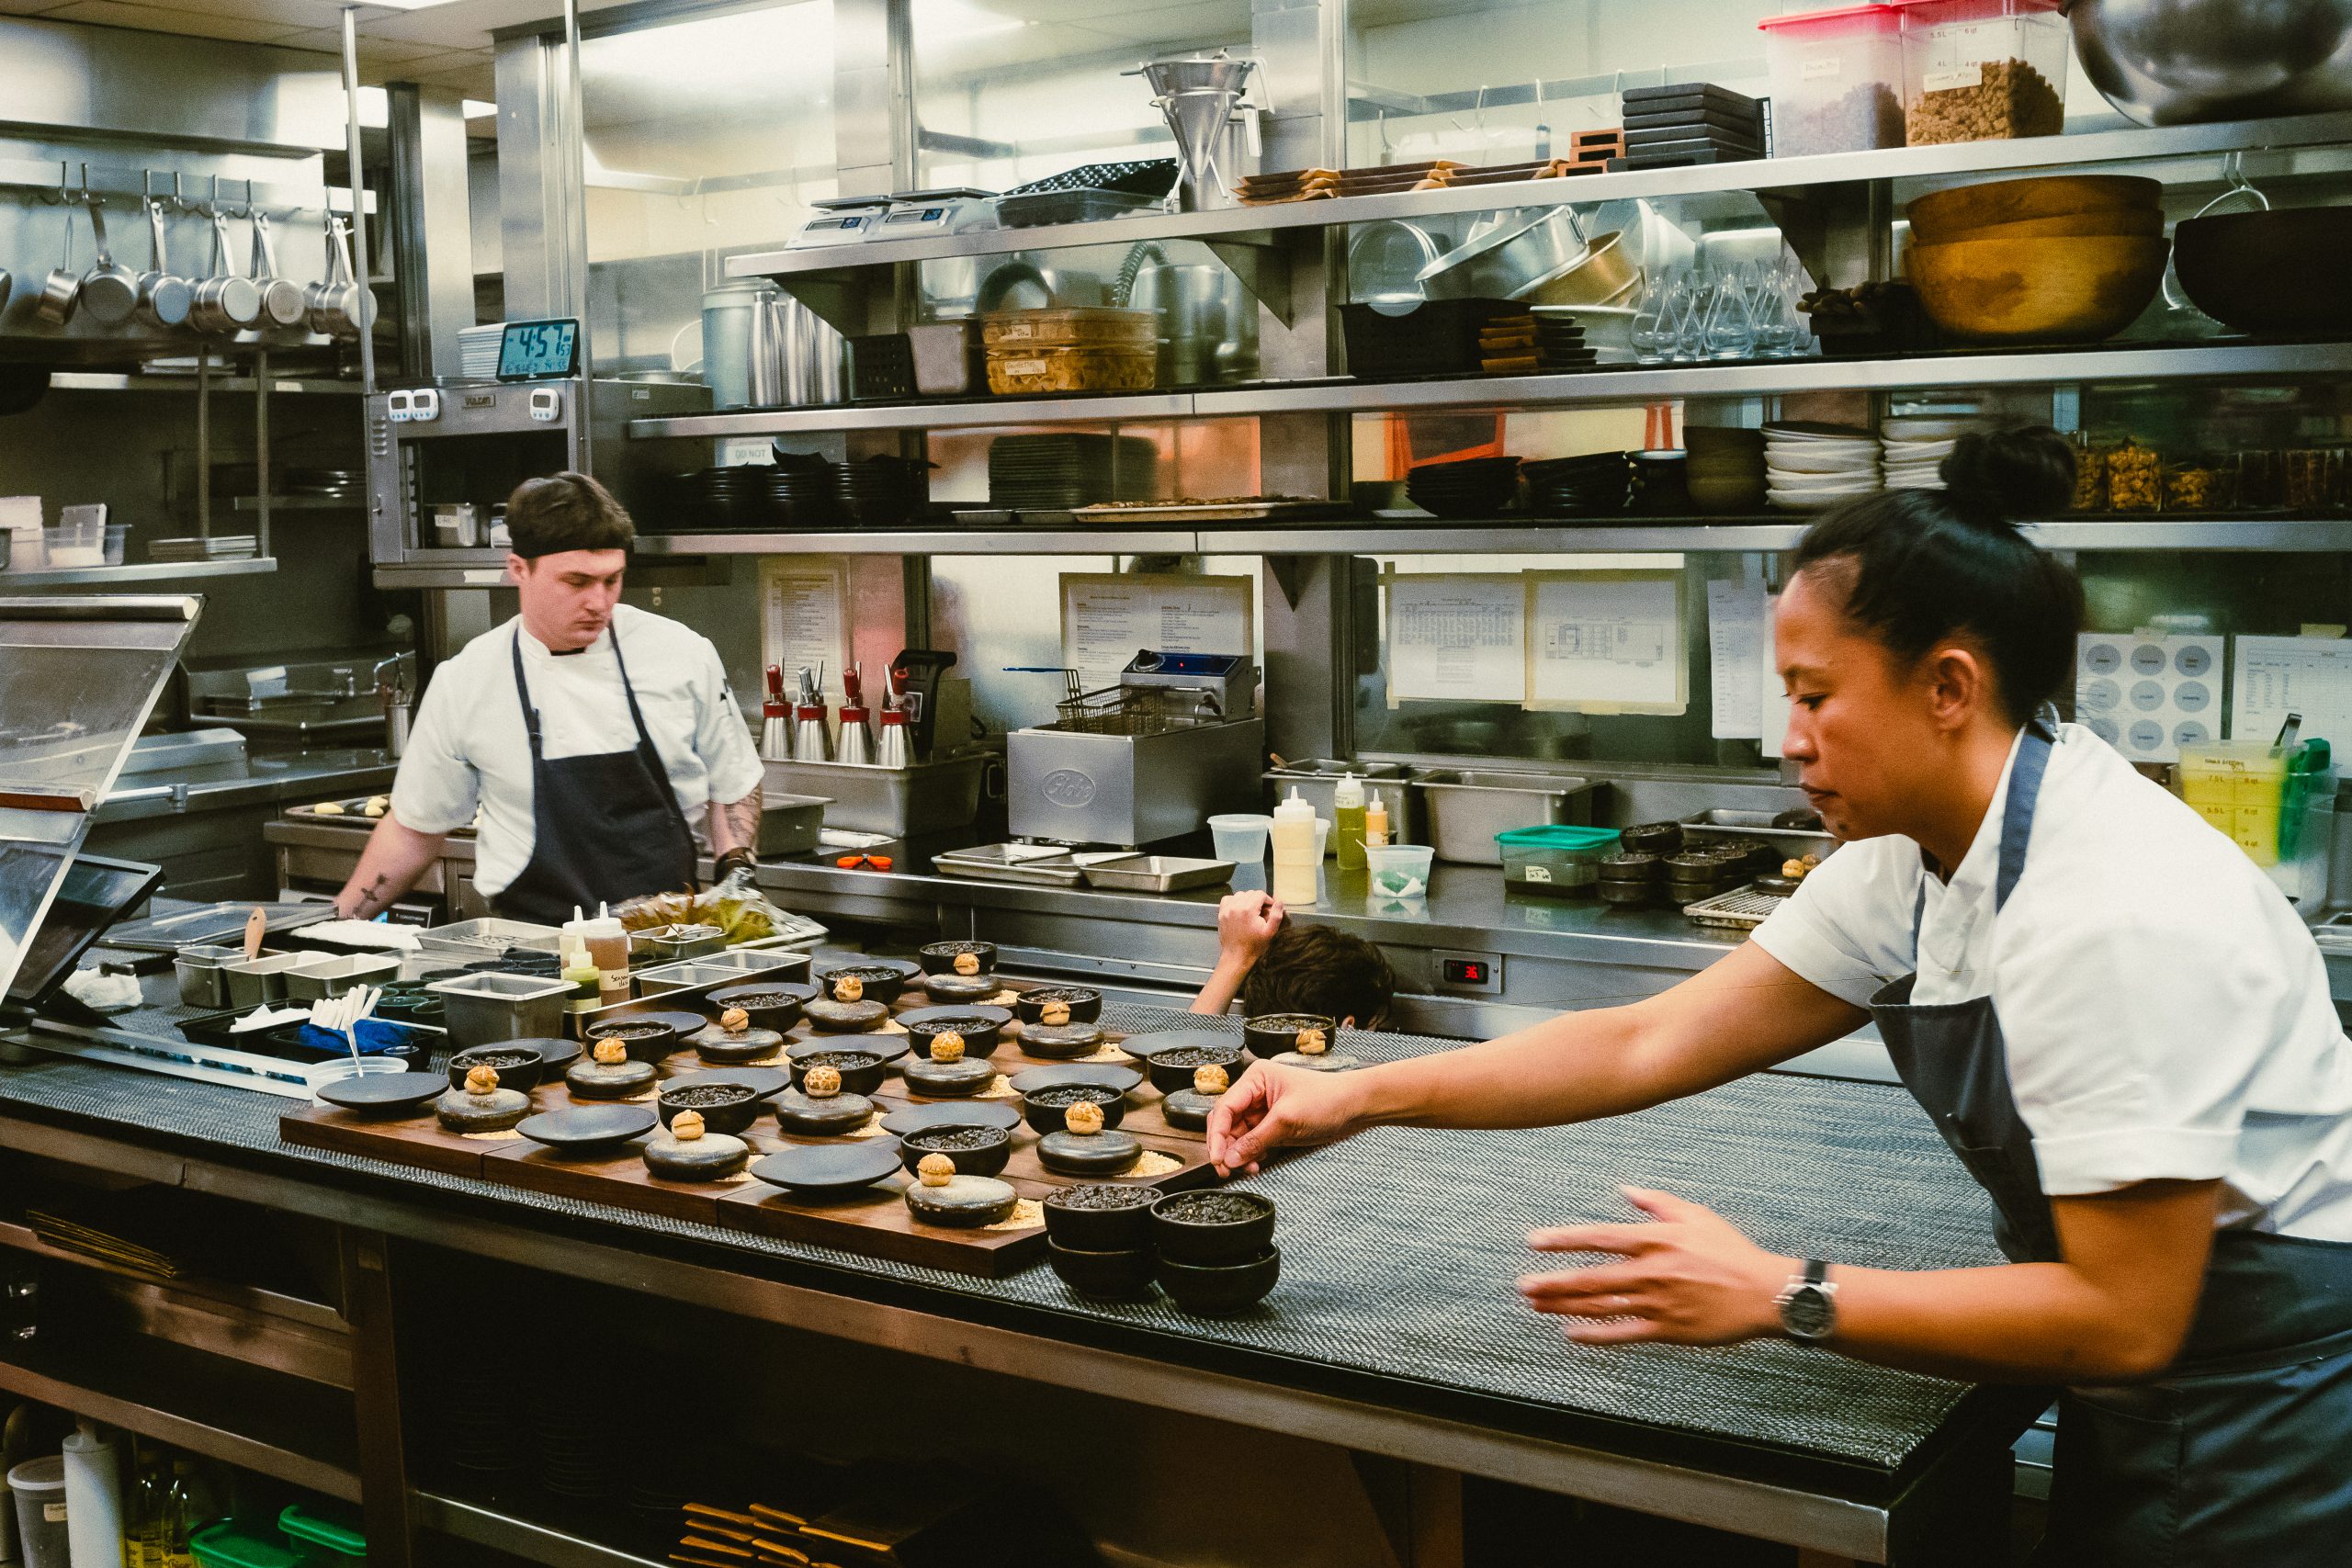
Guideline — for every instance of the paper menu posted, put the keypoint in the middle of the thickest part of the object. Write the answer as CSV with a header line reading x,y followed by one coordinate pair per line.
x,y
1737,630
1772,696
804,620
2280,675
1457,637
1108,618
1606,642
2148,696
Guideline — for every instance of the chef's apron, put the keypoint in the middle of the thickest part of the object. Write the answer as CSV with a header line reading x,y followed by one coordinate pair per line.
x,y
604,828
2240,1454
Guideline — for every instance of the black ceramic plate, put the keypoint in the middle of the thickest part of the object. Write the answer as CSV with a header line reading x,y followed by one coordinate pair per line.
x,y
1109,1073
884,978
966,1114
587,1126
890,1047
558,1055
827,1170
1061,1041
766,1082
1147,1046
996,1015
391,1094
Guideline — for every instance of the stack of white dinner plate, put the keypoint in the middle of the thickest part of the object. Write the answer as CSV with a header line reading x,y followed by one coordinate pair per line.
x,y
1809,465
1915,447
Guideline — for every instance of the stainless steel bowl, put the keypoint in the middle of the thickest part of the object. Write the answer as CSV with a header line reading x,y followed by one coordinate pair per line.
x,y
2175,62
1506,258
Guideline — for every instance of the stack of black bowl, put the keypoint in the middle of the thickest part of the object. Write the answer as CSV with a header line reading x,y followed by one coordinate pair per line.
x,y
1559,343
722,501
1470,487
1594,485
883,492
1632,880
801,491
1695,876
1213,1251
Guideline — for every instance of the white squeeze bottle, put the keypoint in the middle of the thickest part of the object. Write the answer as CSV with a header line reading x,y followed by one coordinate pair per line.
x,y
1295,861
93,1500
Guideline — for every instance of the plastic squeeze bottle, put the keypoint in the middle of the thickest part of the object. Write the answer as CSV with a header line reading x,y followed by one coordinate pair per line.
x,y
1295,861
93,1500
1348,821
1376,824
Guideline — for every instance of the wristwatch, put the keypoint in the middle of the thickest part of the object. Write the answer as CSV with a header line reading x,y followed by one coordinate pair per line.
x,y
1808,1303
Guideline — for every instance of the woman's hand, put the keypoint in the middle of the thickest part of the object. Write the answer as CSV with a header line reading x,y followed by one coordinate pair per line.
x,y
1689,1278
1273,1108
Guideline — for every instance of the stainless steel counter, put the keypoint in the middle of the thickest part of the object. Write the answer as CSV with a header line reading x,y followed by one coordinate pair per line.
x,y
262,779
205,825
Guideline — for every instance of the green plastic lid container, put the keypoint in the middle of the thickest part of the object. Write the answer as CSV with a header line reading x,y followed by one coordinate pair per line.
x,y
238,1543
1560,837
331,1529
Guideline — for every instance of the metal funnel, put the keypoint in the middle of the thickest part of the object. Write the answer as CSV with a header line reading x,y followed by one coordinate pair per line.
x,y
1217,74
1198,97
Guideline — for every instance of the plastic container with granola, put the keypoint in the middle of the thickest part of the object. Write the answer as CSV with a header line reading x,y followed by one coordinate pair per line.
x,y
2134,477
1070,326
1021,369
1983,69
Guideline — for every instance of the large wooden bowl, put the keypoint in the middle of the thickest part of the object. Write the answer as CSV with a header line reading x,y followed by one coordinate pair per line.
x,y
1942,216
2070,289
2270,272
2106,221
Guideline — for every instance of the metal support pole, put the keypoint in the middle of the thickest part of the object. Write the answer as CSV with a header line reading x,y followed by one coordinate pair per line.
x,y
204,443
358,197
576,189
261,453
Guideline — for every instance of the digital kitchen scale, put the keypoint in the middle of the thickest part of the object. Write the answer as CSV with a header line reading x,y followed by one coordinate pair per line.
x,y
840,220
958,210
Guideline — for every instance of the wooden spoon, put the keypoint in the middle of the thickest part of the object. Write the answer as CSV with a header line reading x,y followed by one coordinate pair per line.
x,y
256,924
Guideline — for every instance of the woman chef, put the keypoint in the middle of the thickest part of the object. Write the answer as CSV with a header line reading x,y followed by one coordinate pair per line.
x,y
584,729
2115,1021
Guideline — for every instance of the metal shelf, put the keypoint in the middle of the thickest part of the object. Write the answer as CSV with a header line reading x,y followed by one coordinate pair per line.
x,y
1262,224
141,571
1532,535
297,503
521,1538
1615,386
110,381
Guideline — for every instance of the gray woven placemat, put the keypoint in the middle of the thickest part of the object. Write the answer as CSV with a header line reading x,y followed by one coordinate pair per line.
x,y
1400,1247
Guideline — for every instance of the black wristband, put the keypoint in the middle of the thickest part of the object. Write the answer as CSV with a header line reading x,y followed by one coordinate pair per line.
x,y
729,860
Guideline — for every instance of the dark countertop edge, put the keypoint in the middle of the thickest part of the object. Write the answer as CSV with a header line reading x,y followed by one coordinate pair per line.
x,y
2010,1410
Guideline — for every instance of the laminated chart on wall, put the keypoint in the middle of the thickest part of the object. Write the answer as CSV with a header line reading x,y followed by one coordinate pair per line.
x,y
1606,642
1108,618
2148,695
1739,635
1457,637
2280,675
803,617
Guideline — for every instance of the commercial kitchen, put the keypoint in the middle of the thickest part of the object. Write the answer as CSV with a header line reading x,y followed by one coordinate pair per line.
x,y
1086,487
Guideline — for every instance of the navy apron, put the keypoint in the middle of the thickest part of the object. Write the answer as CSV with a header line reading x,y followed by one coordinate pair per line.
x,y
2239,1455
604,828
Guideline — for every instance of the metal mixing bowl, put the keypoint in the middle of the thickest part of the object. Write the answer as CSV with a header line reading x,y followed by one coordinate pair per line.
x,y
2174,62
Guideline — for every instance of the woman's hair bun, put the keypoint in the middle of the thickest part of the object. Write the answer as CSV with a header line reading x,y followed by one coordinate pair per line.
x,y
2010,471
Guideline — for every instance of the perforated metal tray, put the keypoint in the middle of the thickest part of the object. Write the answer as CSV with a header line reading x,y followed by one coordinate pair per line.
x,y
1741,909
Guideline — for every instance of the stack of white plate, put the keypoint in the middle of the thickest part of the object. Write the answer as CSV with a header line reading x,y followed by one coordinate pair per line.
x,y
1916,446
1809,465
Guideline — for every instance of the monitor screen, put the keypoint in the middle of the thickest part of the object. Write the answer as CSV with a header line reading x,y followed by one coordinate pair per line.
x,y
94,895
538,351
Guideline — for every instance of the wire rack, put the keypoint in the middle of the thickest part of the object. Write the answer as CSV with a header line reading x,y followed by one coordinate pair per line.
x,y
1136,710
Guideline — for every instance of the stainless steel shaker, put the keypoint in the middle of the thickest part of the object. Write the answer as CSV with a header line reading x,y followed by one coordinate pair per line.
x,y
811,741
857,735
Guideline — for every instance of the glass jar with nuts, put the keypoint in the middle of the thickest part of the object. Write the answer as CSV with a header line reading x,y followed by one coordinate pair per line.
x,y
2134,477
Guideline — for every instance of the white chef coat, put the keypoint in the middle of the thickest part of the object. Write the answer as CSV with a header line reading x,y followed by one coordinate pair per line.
x,y
2164,1010
469,745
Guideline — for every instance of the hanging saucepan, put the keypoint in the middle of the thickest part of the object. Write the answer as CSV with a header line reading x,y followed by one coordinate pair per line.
x,y
223,302
281,297
64,285
109,290
164,296
336,306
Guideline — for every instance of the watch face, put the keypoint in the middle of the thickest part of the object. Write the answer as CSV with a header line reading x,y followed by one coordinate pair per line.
x,y
1807,1313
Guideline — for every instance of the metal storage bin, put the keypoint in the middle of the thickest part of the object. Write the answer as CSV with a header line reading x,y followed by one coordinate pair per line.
x,y
336,976
485,1008
263,979
927,797
1467,807
1317,778
202,971
790,824
487,938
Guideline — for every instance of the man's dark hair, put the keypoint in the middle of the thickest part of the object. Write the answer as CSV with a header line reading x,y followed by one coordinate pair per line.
x,y
1319,970
566,511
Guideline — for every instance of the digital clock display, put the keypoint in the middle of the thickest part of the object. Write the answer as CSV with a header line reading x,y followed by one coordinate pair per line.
x,y
538,351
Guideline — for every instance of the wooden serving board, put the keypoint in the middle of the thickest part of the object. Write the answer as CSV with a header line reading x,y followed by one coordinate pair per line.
x,y
875,1223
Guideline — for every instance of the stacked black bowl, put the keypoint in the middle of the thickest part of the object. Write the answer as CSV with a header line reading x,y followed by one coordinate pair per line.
x,y
882,492
1470,486
1559,343
1594,485
719,500
801,491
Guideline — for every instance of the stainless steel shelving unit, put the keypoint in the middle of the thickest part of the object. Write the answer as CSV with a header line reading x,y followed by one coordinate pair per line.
x,y
135,571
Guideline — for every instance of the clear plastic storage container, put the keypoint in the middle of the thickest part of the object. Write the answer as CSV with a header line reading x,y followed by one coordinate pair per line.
x,y
1836,79
1983,69
1556,860
2262,799
1070,326
1021,369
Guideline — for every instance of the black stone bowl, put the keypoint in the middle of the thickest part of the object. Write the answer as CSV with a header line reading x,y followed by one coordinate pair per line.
x,y
1107,1275
1211,1288
884,977
731,1107
1090,1156
1101,1216
1045,1109
939,957
862,1071
517,1063
1278,1032
1172,1069
861,1017
587,1129
659,1042
773,1004
947,1080
1085,1005
976,1151
909,1119
981,1027
1058,1042
1227,1227
955,988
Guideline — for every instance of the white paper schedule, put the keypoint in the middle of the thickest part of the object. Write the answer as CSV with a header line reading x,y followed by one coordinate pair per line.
x,y
1458,639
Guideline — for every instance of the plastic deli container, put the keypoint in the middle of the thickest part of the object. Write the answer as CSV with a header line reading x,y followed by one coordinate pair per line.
x,y
332,1532
1071,326
2260,797
1836,79
1983,69
1560,860
39,1488
1020,368
236,1543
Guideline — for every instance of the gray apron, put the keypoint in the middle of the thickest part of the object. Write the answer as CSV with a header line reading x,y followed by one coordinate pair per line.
x,y
2240,1454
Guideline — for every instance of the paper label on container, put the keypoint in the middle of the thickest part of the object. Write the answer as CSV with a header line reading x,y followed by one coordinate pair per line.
x,y
1972,76
1828,65
1022,368
53,1513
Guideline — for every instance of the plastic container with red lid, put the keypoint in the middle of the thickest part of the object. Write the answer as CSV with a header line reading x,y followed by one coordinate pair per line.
x,y
1836,79
1983,69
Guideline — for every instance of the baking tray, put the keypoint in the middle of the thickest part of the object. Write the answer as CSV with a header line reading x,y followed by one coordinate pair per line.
x,y
1795,843
1035,865
1218,511
1741,909
1153,874
222,924
487,938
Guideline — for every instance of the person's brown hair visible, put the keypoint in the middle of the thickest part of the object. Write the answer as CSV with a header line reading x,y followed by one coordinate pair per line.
x,y
1316,969
566,511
